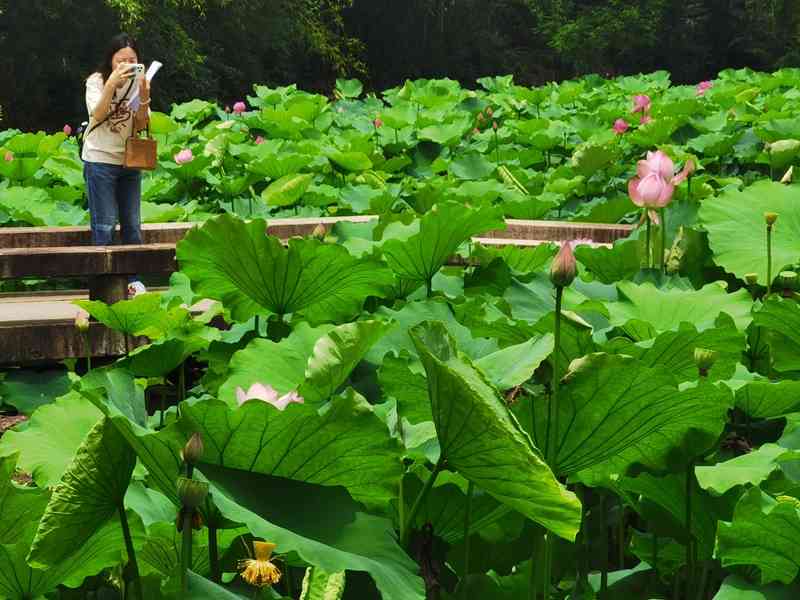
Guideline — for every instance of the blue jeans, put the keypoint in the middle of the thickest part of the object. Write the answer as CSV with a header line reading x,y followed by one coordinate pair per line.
x,y
114,194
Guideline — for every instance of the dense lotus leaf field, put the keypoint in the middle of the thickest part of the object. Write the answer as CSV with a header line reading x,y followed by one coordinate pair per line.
x,y
550,422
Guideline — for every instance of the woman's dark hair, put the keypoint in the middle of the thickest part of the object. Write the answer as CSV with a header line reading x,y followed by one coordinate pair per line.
x,y
117,43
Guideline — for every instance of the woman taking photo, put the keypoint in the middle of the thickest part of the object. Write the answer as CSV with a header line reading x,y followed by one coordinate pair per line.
x,y
114,191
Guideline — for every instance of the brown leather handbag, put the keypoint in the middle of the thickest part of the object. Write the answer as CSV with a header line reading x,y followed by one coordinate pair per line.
x,y
141,152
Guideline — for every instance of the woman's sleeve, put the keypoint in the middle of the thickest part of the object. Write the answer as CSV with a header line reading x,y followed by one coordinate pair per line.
x,y
94,91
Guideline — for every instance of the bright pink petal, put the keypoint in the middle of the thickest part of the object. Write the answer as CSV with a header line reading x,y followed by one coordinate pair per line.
x,y
633,191
287,399
658,162
687,170
650,190
666,195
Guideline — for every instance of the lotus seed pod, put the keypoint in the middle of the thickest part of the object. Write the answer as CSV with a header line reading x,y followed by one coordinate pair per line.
x,y
192,492
704,359
787,280
770,218
193,450
751,278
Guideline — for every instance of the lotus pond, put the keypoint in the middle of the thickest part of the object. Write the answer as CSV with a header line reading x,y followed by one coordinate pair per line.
x,y
542,423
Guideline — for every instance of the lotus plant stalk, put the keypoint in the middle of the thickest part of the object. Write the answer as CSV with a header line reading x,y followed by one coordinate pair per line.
x,y
192,495
562,274
770,219
663,215
82,325
467,524
420,501
133,566
213,554
690,537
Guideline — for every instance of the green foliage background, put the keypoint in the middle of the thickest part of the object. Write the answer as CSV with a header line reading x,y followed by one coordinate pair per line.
x,y
216,49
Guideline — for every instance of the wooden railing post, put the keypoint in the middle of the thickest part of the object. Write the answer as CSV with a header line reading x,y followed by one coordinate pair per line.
x,y
108,288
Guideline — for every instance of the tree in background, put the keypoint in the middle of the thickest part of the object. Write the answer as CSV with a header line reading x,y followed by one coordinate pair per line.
x,y
217,49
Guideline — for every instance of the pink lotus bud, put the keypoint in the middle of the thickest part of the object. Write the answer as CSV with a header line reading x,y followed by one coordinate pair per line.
x,y
656,162
703,87
184,156
67,130
378,123
9,156
494,125
646,119
259,140
564,268
489,111
239,107
641,103
620,126
227,109
266,393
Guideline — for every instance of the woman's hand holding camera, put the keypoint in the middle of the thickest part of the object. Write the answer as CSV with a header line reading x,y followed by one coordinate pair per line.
x,y
120,75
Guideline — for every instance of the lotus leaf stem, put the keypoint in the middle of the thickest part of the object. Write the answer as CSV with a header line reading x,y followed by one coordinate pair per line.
x,y
603,545
186,548
213,554
133,566
649,255
690,537
621,535
661,260
536,567
420,501
769,259
467,523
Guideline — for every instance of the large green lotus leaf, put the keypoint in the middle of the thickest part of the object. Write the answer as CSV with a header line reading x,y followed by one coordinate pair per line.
x,y
118,388
90,493
752,468
66,168
400,379
520,260
281,365
235,262
323,525
343,443
471,166
514,365
200,588
616,412
664,553
736,587
287,190
654,310
27,390
336,354
590,157
762,399
141,315
674,350
736,229
481,439
441,231
104,548
669,492
763,533
609,265
445,134
781,317
46,446
162,357
350,161
414,313
19,505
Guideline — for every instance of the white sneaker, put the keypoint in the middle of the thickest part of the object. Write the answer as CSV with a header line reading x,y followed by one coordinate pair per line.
x,y
135,288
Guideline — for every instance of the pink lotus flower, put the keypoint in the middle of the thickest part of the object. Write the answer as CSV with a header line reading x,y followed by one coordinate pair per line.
x,y
655,182
703,87
494,125
378,123
259,140
645,120
620,126
564,268
239,107
641,103
8,156
67,130
266,393
184,156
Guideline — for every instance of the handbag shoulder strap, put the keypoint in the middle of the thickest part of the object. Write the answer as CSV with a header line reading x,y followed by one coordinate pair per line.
x,y
108,116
